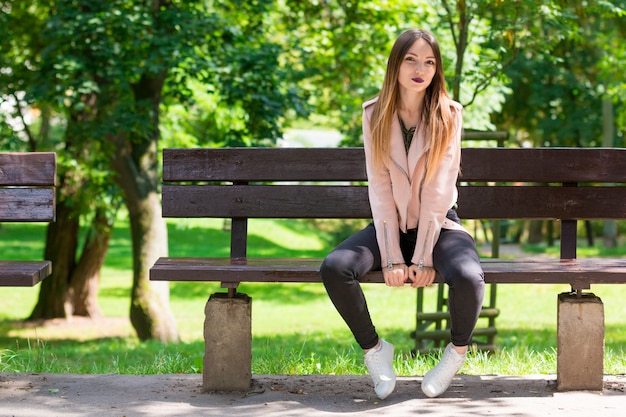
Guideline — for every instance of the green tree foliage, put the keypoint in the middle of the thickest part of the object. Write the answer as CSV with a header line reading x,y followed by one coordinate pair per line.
x,y
21,24
243,94
343,46
557,94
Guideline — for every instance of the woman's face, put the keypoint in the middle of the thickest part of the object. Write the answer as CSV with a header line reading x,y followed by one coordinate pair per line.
x,y
418,67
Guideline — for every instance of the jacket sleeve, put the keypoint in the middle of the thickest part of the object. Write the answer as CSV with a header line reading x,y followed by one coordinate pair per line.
x,y
437,196
384,212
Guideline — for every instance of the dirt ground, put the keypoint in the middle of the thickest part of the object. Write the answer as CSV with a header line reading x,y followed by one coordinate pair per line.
x,y
70,395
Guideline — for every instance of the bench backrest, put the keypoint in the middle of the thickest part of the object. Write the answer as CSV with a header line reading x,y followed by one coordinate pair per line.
x,y
568,184
27,181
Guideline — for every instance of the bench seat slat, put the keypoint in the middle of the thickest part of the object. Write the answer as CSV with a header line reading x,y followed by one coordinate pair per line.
x,y
578,273
23,273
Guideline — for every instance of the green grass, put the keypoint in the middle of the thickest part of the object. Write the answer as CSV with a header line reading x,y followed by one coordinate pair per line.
x,y
295,328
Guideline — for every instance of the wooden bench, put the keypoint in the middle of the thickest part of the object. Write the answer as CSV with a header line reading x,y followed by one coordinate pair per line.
x,y
566,184
27,194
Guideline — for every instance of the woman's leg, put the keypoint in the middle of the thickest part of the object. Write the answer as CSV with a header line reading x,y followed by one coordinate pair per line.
x,y
455,257
341,271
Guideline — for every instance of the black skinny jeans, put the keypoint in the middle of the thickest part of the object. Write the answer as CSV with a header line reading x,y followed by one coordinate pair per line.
x,y
455,257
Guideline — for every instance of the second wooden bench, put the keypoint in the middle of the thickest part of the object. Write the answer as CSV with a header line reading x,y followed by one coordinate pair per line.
x,y
27,194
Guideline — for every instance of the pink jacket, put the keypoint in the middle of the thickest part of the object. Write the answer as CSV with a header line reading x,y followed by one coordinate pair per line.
x,y
400,200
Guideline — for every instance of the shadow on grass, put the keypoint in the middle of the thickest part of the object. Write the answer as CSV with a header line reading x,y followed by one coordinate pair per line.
x,y
329,343
187,290
294,293
509,338
547,339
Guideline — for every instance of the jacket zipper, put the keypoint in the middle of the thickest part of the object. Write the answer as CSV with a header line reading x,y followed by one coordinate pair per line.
x,y
420,264
406,174
389,261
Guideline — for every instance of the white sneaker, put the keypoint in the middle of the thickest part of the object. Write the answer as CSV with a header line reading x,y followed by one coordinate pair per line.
x,y
438,379
380,366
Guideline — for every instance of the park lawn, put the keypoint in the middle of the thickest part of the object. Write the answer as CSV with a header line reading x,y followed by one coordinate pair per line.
x,y
295,327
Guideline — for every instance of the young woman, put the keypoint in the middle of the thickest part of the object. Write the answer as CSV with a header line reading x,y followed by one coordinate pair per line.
x,y
412,142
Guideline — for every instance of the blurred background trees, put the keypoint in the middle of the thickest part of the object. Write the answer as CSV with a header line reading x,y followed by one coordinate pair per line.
x,y
108,84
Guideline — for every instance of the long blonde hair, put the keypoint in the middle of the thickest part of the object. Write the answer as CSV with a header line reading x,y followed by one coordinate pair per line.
x,y
437,115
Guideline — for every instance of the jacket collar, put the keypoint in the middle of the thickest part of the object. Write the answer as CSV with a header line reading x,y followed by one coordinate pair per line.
x,y
399,156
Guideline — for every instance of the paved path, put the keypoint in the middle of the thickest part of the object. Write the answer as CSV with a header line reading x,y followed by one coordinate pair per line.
x,y
69,395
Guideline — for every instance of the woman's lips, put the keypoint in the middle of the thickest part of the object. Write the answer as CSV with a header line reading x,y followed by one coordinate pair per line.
x,y
418,80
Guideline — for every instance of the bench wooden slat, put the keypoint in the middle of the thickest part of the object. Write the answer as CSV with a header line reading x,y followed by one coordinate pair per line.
x,y
324,201
263,164
27,181
27,204
544,164
28,168
23,273
578,272
265,201
348,164
538,202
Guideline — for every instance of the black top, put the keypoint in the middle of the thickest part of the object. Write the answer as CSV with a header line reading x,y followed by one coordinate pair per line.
x,y
407,134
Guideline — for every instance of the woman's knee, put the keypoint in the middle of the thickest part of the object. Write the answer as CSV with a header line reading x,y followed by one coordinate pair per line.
x,y
469,277
345,264
331,267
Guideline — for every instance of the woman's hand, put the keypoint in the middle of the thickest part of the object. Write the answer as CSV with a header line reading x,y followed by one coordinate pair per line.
x,y
396,276
421,277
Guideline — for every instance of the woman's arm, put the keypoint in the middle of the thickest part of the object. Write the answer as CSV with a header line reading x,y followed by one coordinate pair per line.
x,y
437,196
384,212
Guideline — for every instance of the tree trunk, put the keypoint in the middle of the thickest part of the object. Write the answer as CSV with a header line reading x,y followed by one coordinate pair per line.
x,y
85,279
150,312
535,231
72,289
463,35
61,244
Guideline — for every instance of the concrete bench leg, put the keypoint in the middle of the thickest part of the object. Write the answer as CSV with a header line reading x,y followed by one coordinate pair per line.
x,y
227,364
580,345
